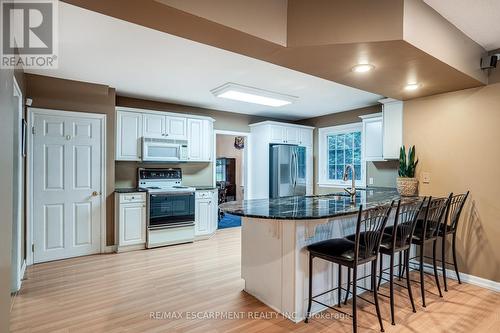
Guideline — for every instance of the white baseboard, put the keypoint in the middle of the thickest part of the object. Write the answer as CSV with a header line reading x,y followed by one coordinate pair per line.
x,y
21,275
109,249
466,278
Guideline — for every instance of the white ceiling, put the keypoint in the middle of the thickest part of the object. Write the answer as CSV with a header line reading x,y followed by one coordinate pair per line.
x,y
478,19
144,63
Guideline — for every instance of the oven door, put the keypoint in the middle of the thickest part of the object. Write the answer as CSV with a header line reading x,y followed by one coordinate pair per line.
x,y
170,210
158,151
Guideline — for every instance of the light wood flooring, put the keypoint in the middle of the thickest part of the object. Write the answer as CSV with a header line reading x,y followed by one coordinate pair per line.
x,y
118,293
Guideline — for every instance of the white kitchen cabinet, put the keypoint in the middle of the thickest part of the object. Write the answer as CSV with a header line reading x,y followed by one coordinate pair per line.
x,y
200,138
373,137
270,132
392,127
159,126
205,213
128,136
130,221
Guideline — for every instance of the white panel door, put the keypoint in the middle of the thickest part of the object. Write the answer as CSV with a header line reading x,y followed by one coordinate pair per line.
x,y
66,186
128,136
154,126
195,139
176,128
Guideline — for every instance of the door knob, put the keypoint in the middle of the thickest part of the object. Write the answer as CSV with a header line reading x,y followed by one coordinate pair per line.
x,y
95,194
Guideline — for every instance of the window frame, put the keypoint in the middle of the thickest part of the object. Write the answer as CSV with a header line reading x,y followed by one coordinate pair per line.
x,y
322,169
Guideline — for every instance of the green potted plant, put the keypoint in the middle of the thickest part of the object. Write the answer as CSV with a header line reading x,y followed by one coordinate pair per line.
x,y
407,184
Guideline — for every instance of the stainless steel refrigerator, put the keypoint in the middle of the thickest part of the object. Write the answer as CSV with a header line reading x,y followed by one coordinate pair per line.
x,y
287,174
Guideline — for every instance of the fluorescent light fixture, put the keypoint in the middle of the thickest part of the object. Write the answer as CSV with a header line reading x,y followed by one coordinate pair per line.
x,y
252,95
362,68
412,86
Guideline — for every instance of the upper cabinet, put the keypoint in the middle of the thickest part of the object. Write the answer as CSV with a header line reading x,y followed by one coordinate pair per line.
x,y
128,136
290,134
383,132
134,124
159,126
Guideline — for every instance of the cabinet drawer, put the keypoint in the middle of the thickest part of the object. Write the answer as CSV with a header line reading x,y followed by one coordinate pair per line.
x,y
204,194
132,197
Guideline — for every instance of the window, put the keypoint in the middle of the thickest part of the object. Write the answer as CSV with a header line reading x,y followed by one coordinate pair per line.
x,y
338,147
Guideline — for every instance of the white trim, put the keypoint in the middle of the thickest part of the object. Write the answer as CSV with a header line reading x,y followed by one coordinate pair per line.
x,y
29,216
270,122
163,113
321,166
246,158
466,278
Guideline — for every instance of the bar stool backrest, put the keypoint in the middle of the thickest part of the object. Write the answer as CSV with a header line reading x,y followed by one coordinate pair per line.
x,y
434,214
369,230
455,206
405,221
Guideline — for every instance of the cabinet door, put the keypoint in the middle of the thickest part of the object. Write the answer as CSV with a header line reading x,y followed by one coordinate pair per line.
x,y
214,210
202,216
128,136
176,128
372,137
132,224
154,125
195,139
208,140
306,137
278,134
292,135
392,129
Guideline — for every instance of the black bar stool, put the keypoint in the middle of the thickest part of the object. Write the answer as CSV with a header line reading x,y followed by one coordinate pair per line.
x,y
454,210
344,252
427,230
397,239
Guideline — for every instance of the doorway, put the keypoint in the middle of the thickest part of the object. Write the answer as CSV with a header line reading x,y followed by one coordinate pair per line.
x,y
67,182
231,172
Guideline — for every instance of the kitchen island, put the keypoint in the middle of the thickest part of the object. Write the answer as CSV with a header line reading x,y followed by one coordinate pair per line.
x,y
274,237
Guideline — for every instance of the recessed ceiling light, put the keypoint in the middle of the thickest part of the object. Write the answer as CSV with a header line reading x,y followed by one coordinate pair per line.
x,y
412,86
362,68
252,95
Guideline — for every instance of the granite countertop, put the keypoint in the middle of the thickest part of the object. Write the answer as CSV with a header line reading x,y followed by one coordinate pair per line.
x,y
205,188
313,207
129,190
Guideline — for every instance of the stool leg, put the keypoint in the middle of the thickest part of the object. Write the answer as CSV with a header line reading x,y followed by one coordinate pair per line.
x,y
443,258
400,274
308,314
436,277
408,283
375,294
354,312
391,288
339,300
455,256
381,270
348,284
422,280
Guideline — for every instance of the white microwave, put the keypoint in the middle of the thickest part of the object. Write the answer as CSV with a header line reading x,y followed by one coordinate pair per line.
x,y
164,150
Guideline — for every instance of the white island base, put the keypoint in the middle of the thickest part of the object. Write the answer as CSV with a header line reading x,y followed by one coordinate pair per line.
x,y
274,262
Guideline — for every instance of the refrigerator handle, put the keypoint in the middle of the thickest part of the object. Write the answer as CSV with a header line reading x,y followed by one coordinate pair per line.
x,y
294,158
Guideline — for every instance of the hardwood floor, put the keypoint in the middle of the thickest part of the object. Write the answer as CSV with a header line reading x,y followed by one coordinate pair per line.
x,y
123,292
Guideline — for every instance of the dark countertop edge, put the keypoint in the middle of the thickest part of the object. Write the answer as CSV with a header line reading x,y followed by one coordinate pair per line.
x,y
205,188
294,218
129,190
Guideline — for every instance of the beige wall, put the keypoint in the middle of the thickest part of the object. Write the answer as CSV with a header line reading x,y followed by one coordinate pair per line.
x,y
261,18
383,173
59,94
456,137
225,148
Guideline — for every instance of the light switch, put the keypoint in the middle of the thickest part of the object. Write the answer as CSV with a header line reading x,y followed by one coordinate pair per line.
x,y
370,181
426,177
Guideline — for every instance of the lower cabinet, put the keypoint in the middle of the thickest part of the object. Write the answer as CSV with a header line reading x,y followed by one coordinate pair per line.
x,y
205,213
131,221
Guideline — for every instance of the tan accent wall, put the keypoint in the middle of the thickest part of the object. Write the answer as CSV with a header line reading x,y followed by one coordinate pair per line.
x,y
456,137
60,94
225,148
383,173
265,19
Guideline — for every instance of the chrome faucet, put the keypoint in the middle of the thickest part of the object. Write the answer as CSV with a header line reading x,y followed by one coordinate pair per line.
x,y
352,190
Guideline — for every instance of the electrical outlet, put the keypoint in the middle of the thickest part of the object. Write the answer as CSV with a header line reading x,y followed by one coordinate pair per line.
x,y
370,180
426,177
